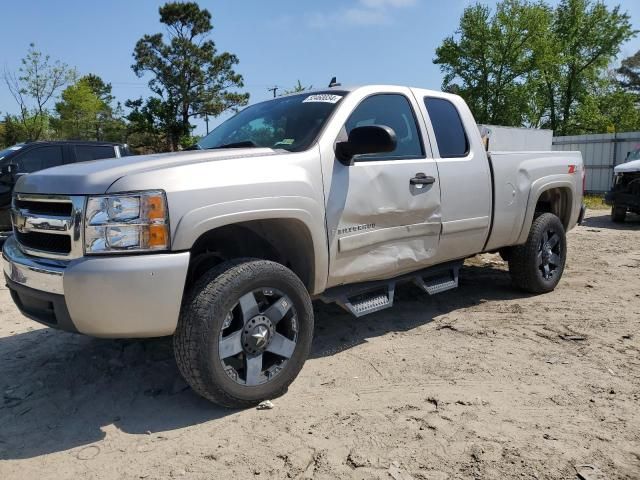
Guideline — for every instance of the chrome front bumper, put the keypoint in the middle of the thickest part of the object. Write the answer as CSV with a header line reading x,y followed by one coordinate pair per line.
x,y
108,296
31,272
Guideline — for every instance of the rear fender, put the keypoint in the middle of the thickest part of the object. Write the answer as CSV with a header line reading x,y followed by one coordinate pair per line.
x,y
540,186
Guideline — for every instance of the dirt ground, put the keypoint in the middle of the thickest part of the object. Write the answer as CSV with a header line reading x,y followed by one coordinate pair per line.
x,y
481,382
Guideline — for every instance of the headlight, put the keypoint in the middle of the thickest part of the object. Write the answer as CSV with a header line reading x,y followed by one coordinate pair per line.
x,y
135,222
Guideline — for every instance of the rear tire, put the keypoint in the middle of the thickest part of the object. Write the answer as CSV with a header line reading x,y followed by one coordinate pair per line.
x,y
618,213
244,332
537,266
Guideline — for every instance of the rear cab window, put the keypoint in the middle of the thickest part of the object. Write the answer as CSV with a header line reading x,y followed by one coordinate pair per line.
x,y
451,136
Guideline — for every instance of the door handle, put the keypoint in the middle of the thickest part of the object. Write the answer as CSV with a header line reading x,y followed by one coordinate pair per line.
x,y
422,179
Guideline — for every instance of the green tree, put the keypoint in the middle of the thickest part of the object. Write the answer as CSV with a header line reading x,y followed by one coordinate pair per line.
x,y
146,130
79,112
297,88
629,73
114,126
584,38
529,64
37,82
12,131
489,59
98,86
189,76
608,109
85,112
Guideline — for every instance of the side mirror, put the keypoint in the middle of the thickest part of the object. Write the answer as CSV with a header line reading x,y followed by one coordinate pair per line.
x,y
9,169
366,139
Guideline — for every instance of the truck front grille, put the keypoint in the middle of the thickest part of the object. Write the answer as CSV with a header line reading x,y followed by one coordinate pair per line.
x,y
58,244
45,208
49,226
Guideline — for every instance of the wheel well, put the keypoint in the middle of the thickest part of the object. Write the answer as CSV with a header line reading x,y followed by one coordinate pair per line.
x,y
285,241
557,201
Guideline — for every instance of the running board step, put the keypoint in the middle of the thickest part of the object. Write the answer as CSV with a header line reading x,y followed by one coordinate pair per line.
x,y
441,283
364,298
369,302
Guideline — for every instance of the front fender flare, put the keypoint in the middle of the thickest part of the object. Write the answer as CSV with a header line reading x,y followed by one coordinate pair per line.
x,y
201,220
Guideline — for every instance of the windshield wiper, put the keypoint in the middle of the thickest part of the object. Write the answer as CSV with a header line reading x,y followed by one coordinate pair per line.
x,y
244,143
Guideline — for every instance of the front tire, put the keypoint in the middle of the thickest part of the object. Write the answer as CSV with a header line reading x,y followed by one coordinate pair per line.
x,y
537,266
244,332
618,213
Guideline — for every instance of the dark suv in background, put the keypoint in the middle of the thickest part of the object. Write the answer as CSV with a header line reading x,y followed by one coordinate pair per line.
x,y
624,196
26,158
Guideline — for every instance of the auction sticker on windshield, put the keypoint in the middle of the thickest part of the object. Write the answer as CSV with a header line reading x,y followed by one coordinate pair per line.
x,y
323,98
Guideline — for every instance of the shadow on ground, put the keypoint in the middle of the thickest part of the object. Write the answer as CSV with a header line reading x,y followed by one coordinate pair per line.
x,y
602,219
61,390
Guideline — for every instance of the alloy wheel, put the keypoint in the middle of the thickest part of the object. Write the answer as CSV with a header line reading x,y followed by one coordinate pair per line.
x,y
549,257
258,336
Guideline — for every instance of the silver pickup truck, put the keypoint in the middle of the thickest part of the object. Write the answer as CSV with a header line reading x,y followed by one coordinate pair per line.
x,y
336,195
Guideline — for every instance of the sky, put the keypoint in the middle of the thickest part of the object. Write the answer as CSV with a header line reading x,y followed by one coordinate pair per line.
x,y
278,42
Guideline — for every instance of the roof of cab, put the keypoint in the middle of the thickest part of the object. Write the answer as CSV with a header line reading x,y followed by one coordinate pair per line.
x,y
352,88
72,142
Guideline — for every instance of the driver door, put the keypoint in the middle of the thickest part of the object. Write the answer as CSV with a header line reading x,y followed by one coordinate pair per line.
x,y
381,221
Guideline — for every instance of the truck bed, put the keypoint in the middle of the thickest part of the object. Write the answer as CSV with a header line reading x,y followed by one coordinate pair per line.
x,y
516,178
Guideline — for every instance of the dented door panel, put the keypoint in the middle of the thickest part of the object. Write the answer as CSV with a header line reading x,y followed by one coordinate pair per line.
x,y
379,224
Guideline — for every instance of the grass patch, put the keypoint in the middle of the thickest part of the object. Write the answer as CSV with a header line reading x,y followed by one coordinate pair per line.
x,y
595,202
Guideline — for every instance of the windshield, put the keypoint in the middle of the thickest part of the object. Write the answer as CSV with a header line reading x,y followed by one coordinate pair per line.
x,y
8,151
634,155
291,123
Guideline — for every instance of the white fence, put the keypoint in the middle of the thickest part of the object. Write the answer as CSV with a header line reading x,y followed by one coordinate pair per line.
x,y
600,154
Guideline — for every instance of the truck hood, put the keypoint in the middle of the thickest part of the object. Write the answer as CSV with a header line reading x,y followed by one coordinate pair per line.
x,y
95,177
633,166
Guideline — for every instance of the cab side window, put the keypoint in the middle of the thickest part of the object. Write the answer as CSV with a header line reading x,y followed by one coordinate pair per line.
x,y
392,110
447,125
40,158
